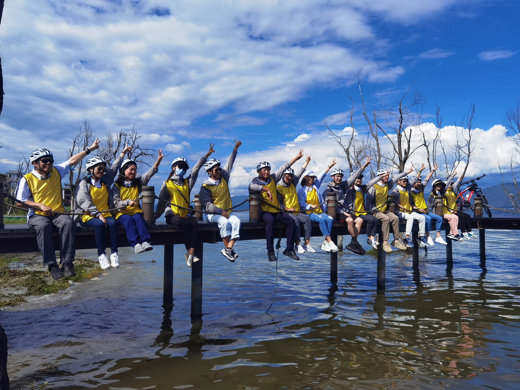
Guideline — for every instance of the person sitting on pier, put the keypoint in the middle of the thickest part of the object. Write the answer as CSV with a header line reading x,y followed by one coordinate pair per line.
x,y
406,207
288,196
126,192
265,185
417,193
341,188
452,189
448,208
216,200
175,193
93,198
377,201
311,200
41,191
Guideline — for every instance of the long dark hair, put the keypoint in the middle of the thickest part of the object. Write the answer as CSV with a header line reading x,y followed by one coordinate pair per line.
x,y
121,177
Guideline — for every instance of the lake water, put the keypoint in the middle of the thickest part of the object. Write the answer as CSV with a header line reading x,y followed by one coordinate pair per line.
x,y
278,326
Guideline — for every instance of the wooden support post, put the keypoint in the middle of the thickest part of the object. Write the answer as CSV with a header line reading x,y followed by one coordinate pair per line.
x,y
168,277
254,207
196,284
147,203
198,207
334,264
449,254
477,212
482,242
381,264
415,249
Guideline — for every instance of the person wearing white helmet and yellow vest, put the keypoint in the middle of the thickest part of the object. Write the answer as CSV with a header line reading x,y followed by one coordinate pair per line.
x,y
175,193
377,203
215,198
265,185
93,198
41,191
125,192
311,200
288,196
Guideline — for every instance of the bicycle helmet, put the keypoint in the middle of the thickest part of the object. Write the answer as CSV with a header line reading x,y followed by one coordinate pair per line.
x,y
126,163
180,161
39,153
438,181
93,161
210,164
288,171
263,164
382,171
336,171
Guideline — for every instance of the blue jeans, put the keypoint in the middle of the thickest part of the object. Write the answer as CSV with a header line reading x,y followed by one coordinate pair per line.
x,y
135,226
325,222
436,218
100,232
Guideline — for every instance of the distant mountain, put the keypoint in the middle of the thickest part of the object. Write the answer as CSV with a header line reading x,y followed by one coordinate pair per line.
x,y
497,195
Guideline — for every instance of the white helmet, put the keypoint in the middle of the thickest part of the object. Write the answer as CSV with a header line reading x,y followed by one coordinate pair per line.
x,y
263,164
180,160
125,164
288,171
382,171
336,171
39,153
93,161
210,164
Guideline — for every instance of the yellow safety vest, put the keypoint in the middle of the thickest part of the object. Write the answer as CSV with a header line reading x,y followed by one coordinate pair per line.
x,y
404,201
450,202
129,193
270,205
381,197
220,195
179,195
359,204
290,197
418,199
47,192
313,199
99,197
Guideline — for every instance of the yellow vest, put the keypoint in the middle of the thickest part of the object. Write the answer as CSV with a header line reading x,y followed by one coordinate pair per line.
x,y
129,193
418,199
220,195
290,197
450,202
381,197
404,201
47,192
99,197
313,199
179,195
359,204
270,205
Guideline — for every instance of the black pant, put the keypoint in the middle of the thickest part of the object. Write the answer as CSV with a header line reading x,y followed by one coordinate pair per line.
x,y
188,226
270,219
464,222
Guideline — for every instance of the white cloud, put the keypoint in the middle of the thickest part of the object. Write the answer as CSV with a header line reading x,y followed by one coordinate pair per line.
x,y
434,54
494,55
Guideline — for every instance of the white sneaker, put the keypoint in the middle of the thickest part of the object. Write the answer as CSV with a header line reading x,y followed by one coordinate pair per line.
x,y
300,249
440,240
325,246
103,261
138,248
114,260
309,248
333,247
147,246
189,259
430,241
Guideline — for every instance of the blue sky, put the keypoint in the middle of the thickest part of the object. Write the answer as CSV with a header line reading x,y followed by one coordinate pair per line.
x,y
273,74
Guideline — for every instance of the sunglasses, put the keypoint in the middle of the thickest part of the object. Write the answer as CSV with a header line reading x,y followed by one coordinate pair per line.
x,y
100,168
46,160
218,169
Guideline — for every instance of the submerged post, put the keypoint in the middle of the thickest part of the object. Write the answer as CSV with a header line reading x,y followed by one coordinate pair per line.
x,y
482,247
334,264
254,207
196,284
1,205
147,203
415,249
168,276
381,264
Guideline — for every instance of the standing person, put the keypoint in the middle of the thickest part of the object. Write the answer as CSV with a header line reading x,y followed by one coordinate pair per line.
x,y
406,207
311,200
377,199
449,205
417,193
286,189
265,184
41,191
215,197
175,193
93,197
341,188
125,192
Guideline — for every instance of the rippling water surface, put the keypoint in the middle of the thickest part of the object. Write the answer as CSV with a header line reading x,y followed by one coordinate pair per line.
x,y
280,326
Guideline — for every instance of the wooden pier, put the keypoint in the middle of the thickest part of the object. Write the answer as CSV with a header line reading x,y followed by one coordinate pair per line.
x,y
19,239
